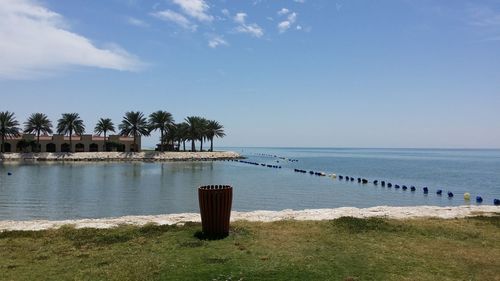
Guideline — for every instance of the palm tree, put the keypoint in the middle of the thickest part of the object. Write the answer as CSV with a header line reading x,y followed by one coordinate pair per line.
x,y
134,124
194,130
181,134
214,129
103,126
68,124
8,127
202,135
163,121
38,123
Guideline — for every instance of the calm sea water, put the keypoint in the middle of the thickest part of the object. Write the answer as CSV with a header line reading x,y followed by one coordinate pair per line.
x,y
93,190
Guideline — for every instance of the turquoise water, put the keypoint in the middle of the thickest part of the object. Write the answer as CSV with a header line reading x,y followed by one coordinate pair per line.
x,y
94,190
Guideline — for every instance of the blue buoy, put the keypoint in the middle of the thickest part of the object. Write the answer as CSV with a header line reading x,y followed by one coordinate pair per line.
x,y
9,174
352,179
426,190
396,186
439,192
405,187
479,199
450,194
375,182
496,202
341,177
311,172
413,188
389,185
383,183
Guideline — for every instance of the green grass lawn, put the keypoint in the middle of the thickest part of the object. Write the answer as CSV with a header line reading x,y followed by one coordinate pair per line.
x,y
343,249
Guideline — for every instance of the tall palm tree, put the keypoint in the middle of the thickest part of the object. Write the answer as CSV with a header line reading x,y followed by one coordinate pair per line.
x,y
134,124
38,123
202,134
8,127
68,124
103,126
194,130
163,121
181,134
214,129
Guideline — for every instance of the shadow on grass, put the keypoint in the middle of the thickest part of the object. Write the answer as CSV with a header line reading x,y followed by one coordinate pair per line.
x,y
357,225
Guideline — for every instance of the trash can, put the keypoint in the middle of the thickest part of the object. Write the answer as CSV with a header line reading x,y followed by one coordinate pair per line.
x,y
215,209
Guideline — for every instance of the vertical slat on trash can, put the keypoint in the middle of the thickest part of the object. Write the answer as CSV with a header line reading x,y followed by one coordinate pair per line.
x,y
215,207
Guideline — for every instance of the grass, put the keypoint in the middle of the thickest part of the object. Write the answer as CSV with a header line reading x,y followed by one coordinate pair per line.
x,y
342,249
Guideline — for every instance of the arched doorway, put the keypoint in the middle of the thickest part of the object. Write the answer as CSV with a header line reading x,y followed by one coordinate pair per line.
x,y
65,147
50,147
93,147
6,147
79,147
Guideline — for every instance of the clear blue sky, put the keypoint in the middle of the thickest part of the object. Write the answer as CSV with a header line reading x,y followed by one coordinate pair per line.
x,y
407,73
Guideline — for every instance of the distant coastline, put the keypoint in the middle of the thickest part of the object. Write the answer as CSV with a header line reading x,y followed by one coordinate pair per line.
x,y
121,156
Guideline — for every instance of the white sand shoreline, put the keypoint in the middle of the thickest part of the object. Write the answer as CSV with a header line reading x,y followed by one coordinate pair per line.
x,y
265,216
121,156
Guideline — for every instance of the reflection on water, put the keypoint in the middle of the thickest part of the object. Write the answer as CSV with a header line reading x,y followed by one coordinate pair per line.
x,y
81,190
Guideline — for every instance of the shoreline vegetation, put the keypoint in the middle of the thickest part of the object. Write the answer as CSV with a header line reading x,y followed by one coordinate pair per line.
x,y
145,156
134,124
388,212
347,248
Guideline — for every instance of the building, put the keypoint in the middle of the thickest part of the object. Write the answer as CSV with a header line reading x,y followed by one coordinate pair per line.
x,y
83,143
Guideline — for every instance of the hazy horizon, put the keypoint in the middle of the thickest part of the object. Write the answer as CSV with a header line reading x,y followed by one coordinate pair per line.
x,y
296,73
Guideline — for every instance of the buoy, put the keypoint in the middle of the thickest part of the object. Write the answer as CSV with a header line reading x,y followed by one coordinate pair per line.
x,y
413,188
496,202
396,186
365,181
9,174
439,192
333,176
375,182
450,194
359,179
405,187
383,183
467,196
479,199
341,177
352,179
426,190
311,172
389,185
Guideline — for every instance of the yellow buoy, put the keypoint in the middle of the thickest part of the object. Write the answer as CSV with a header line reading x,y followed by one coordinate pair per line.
x,y
467,196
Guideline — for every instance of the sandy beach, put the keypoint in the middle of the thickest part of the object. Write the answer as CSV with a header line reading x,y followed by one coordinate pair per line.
x,y
121,156
265,216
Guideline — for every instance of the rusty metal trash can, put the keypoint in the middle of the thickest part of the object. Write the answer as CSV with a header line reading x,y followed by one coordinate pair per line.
x,y
215,209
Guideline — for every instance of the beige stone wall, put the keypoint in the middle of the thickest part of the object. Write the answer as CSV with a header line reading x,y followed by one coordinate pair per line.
x,y
77,142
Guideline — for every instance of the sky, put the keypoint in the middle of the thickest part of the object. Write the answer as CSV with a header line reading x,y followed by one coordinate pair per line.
x,y
293,73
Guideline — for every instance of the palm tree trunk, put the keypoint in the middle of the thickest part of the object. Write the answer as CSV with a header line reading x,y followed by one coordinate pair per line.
x,y
38,148
193,149
135,145
161,140
104,146
211,144
201,145
3,144
70,141
183,145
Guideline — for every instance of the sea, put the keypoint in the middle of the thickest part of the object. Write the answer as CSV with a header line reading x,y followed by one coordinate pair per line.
x,y
74,190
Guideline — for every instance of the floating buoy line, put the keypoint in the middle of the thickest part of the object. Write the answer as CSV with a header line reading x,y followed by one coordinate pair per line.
x,y
363,181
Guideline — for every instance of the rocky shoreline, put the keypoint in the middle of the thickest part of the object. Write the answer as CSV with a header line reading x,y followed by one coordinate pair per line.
x,y
265,216
121,156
